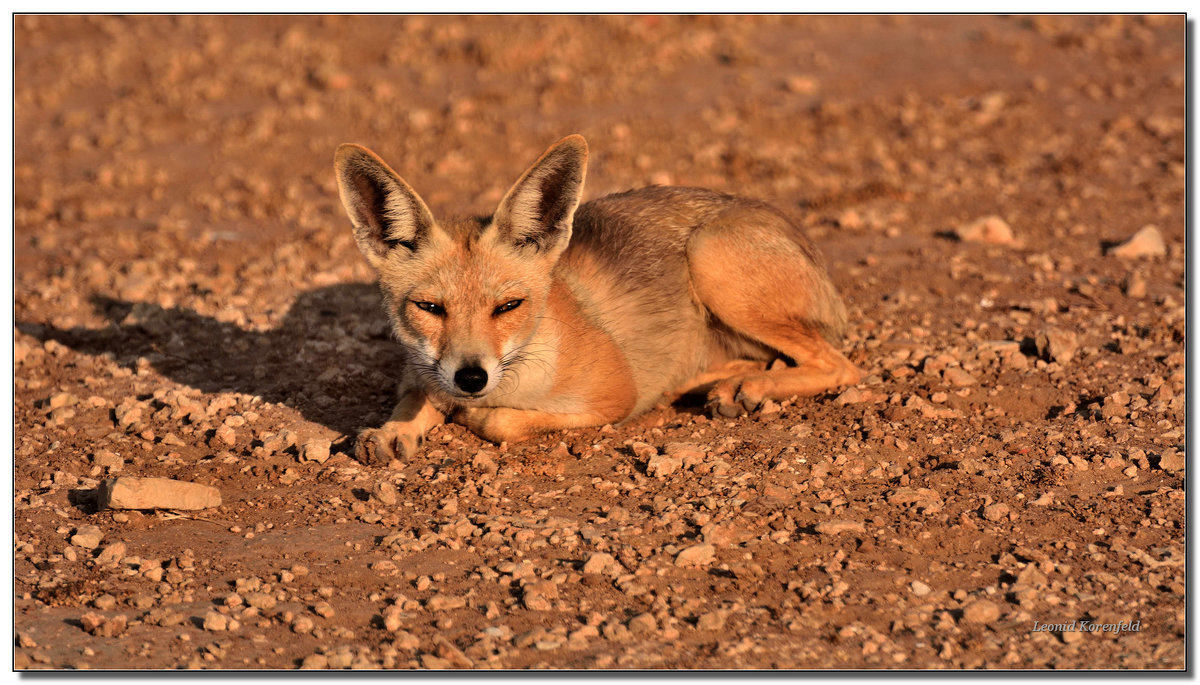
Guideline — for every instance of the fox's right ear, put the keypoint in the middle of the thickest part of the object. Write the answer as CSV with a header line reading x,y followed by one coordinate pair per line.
x,y
387,214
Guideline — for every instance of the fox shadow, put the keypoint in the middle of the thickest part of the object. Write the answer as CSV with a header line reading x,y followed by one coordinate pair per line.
x,y
331,358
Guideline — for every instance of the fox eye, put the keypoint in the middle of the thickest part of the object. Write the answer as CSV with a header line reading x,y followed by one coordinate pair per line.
x,y
507,307
432,308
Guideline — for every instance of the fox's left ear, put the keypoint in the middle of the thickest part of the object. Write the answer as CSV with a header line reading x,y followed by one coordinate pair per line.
x,y
538,209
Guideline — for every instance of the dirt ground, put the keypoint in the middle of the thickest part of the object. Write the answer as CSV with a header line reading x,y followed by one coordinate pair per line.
x,y
189,303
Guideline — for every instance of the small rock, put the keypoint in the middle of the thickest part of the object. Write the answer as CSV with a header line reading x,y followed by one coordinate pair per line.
x,y
105,602
315,662
91,622
1071,637
62,399
1044,501
111,554
981,611
991,230
215,622
385,493
599,562
392,619
995,512
661,465
315,450
323,609
927,500
302,625
584,634
1056,345
1172,461
838,526
108,460
643,623
538,596
850,395
696,555
87,537
643,450
688,453
1135,285
405,640
1147,242
920,589
958,378
226,435
260,600
713,620
128,492
484,462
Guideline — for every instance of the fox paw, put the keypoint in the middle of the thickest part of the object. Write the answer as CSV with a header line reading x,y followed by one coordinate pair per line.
x,y
379,446
735,397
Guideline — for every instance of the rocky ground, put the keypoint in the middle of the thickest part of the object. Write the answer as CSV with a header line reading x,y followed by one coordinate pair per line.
x,y
189,304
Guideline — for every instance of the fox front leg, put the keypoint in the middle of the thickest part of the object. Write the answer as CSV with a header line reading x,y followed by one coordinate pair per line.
x,y
403,434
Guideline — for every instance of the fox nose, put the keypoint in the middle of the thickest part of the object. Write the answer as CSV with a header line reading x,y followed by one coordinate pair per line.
x,y
470,378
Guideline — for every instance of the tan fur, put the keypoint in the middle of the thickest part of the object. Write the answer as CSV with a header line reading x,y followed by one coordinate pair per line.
x,y
623,300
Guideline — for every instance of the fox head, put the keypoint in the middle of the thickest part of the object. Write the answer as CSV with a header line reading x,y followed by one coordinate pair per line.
x,y
465,297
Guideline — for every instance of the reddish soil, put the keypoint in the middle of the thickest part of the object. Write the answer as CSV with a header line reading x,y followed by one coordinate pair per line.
x,y
187,288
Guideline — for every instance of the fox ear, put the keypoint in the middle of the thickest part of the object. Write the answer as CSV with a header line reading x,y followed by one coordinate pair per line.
x,y
539,208
387,214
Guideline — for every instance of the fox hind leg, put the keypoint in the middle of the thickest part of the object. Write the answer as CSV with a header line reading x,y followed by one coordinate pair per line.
x,y
752,271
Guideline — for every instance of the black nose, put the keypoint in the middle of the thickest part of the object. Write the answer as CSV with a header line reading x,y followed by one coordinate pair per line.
x,y
470,378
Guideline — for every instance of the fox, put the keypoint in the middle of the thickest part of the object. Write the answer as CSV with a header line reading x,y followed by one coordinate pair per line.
x,y
550,315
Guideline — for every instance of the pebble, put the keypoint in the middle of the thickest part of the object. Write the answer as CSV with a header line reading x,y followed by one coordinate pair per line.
x,y
405,640
958,378
1055,345
315,662
995,512
981,611
108,460
838,526
920,589
538,596
661,465
696,555
303,625
850,395
260,600
385,493
689,452
1135,285
926,499
129,492
599,562
323,609
643,623
104,627
991,230
1147,242
215,622
111,554
105,602
315,450
392,619
713,620
1172,461
226,435
87,537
